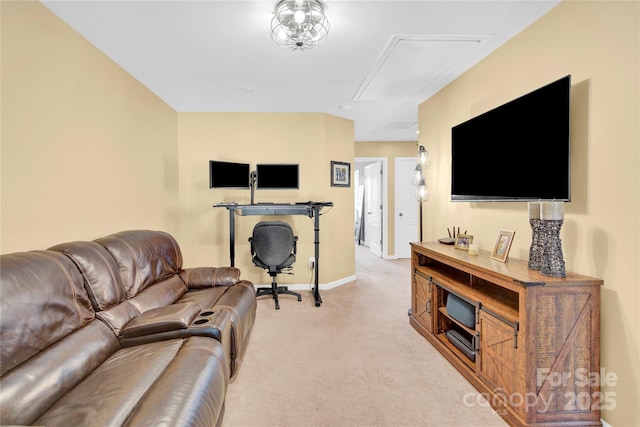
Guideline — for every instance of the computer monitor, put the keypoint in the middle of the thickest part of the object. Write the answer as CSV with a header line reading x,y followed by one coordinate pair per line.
x,y
277,177
228,175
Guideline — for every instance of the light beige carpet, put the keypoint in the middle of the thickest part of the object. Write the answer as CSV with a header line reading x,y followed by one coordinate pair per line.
x,y
354,361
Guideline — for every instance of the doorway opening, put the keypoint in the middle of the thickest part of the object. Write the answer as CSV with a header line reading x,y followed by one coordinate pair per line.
x,y
383,226
371,204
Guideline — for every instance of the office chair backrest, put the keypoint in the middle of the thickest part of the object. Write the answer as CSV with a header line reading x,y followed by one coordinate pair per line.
x,y
273,243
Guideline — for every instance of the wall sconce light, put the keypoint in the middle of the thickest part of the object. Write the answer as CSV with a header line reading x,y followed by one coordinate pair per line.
x,y
419,181
423,157
424,161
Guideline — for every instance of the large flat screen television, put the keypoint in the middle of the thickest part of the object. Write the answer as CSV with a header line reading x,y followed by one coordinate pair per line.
x,y
228,175
518,151
277,177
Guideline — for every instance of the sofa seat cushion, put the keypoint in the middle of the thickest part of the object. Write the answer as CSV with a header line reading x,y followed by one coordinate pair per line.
x,y
203,298
172,383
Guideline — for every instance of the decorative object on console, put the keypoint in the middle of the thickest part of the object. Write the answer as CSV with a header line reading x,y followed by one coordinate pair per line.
x,y
552,215
419,181
503,244
452,236
340,174
463,241
536,249
299,24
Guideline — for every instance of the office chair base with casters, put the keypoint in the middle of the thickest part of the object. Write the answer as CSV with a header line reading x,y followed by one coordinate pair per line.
x,y
275,290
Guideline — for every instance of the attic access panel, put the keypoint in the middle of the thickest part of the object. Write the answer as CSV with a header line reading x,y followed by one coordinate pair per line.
x,y
411,66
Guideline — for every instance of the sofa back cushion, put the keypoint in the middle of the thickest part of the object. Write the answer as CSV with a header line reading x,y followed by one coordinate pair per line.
x,y
43,300
100,271
143,257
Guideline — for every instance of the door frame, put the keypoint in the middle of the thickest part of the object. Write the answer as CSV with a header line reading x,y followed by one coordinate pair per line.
x,y
385,199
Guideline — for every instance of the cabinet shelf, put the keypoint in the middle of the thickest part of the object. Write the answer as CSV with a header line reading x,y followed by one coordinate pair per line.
x,y
502,301
443,311
526,323
443,338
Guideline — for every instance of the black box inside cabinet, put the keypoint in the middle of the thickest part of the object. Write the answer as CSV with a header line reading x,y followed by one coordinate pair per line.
x,y
462,343
461,310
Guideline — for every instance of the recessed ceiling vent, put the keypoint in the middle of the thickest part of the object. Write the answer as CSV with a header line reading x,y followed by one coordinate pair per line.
x,y
400,124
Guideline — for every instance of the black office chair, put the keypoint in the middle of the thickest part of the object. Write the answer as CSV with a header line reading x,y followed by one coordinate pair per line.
x,y
273,247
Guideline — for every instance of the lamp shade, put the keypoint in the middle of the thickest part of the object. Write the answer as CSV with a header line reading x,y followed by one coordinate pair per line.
x,y
418,176
423,157
422,193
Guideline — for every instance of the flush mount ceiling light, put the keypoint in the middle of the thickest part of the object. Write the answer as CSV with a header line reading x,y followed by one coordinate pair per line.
x,y
299,24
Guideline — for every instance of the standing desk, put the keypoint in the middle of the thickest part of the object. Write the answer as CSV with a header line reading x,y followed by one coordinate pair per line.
x,y
310,209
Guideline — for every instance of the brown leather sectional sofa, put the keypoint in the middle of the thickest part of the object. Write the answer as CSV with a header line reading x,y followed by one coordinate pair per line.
x,y
115,332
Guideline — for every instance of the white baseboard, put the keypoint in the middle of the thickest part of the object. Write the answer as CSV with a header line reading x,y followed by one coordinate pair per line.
x,y
323,287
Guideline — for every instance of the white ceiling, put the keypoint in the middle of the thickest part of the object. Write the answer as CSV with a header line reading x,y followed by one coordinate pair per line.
x,y
380,60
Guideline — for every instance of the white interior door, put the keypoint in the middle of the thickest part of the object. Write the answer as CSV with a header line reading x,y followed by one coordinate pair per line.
x,y
406,207
373,206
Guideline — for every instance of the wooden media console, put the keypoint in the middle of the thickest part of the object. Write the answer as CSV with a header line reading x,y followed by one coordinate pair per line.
x,y
535,346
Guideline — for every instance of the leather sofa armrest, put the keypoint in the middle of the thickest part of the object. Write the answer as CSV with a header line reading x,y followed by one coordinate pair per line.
x,y
161,319
209,277
208,323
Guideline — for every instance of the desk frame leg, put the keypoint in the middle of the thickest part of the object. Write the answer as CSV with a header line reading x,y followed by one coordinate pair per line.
x,y
316,229
232,237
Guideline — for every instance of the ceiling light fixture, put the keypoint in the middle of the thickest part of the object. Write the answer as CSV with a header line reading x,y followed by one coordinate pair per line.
x,y
299,24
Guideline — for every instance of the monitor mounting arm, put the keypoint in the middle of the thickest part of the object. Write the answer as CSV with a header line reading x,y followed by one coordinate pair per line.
x,y
252,184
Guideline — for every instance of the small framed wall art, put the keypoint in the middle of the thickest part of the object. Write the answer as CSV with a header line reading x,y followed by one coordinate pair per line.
x,y
463,241
340,174
503,244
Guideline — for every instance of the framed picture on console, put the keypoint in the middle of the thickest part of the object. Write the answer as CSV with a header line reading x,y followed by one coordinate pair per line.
x,y
340,174
503,245
463,241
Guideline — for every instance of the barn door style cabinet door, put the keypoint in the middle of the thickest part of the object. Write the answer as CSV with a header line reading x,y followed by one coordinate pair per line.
x,y
528,343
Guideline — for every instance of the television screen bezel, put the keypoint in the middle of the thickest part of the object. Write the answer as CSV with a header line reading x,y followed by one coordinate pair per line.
x,y
261,186
566,82
244,186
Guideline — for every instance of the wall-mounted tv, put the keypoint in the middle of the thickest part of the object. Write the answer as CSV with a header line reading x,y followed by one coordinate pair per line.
x,y
518,151
277,177
228,175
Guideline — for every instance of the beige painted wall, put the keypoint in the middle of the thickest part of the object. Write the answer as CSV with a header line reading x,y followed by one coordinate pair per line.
x,y
310,139
86,149
598,44
389,150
